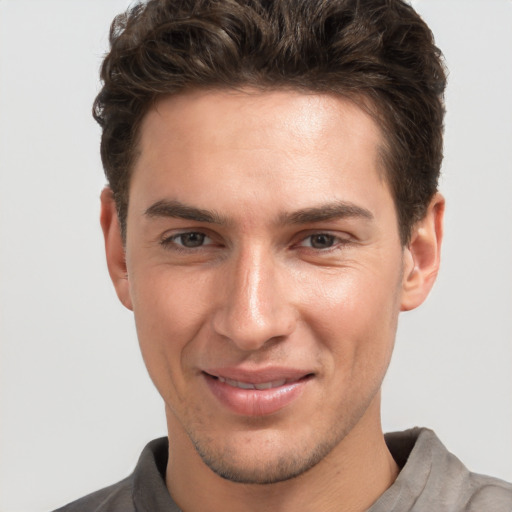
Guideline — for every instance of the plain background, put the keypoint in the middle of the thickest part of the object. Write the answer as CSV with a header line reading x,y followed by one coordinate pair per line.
x,y
76,404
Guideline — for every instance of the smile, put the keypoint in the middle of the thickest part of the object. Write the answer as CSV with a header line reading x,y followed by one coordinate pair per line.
x,y
249,385
257,393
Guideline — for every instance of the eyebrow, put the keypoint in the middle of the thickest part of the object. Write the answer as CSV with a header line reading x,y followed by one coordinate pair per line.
x,y
326,212
322,213
175,209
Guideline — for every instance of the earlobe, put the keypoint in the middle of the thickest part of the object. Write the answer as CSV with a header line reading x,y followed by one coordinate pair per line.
x,y
422,256
114,247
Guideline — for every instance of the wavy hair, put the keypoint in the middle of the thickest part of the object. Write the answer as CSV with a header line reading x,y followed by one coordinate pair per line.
x,y
379,53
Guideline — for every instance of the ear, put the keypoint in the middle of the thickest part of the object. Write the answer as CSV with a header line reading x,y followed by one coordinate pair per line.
x,y
114,248
422,256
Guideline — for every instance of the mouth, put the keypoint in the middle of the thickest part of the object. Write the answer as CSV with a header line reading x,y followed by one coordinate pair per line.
x,y
257,393
259,386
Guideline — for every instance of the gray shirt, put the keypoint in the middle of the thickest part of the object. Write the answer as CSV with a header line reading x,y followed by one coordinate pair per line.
x,y
431,480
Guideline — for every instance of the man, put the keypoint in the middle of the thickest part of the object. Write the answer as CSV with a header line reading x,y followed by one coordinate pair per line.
x,y
272,207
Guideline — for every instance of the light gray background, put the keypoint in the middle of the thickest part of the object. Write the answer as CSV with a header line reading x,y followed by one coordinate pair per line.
x,y
76,404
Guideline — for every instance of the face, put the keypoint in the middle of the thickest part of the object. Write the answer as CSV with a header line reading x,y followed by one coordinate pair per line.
x,y
266,274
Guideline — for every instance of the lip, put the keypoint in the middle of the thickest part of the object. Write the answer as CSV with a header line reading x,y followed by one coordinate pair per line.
x,y
256,393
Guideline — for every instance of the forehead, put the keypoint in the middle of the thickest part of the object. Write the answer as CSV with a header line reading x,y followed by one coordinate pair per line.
x,y
286,144
300,117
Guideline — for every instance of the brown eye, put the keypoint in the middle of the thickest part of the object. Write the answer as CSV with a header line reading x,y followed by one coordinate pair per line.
x,y
321,241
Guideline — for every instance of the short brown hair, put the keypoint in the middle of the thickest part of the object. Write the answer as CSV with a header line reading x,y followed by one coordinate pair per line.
x,y
379,51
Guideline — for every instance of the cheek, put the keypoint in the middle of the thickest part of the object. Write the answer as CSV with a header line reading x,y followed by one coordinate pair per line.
x,y
355,312
167,302
168,310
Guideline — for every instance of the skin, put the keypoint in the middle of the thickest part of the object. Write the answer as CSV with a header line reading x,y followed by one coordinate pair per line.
x,y
298,266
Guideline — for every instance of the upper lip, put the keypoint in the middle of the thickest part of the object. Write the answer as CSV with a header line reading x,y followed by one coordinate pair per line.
x,y
259,376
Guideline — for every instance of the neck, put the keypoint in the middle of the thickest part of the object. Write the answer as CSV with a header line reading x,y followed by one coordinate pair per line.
x,y
349,479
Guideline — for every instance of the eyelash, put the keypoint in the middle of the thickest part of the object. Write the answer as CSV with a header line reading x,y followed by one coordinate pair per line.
x,y
171,244
170,241
335,241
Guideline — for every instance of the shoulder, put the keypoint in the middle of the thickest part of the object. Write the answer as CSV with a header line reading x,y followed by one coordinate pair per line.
x,y
487,493
115,498
144,489
452,481
432,478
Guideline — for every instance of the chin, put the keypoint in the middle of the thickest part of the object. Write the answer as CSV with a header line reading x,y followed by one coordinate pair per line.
x,y
265,466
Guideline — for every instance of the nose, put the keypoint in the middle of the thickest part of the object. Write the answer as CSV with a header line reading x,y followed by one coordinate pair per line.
x,y
256,304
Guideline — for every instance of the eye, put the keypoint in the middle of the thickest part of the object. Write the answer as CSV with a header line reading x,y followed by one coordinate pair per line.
x,y
319,241
190,240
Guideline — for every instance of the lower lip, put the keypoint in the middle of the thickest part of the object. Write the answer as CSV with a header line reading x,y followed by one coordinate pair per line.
x,y
255,402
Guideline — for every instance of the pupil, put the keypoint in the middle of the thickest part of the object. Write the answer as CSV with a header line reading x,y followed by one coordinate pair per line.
x,y
192,239
322,241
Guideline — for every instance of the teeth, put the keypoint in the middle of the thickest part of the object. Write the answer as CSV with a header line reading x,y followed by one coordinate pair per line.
x,y
241,385
269,385
248,385
264,385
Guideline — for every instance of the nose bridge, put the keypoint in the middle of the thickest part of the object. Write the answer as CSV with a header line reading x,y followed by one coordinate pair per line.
x,y
254,308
